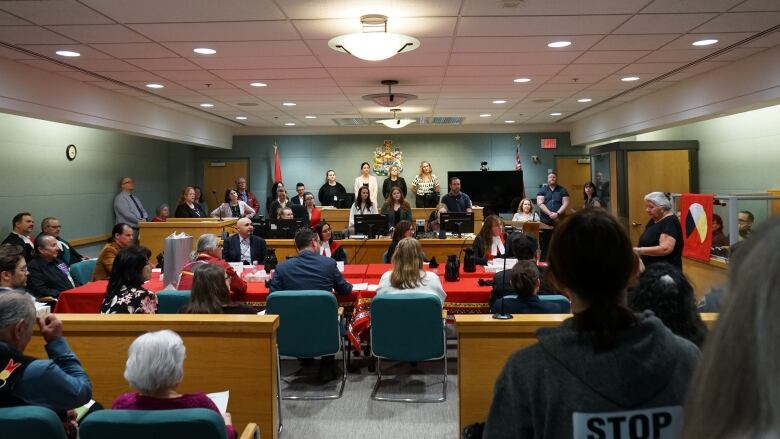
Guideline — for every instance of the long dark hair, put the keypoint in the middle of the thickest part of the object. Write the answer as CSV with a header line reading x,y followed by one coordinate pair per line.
x,y
359,201
321,226
600,283
486,233
227,194
128,269
588,185
664,290
209,290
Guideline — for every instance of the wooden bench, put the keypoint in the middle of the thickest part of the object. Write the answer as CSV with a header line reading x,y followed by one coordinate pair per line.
x,y
224,352
484,344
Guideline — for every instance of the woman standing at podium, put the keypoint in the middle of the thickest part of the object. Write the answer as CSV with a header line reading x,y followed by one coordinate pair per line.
x,y
187,207
330,191
425,186
366,179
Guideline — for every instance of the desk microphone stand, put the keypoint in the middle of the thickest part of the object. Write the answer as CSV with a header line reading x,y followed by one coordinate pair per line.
x,y
502,315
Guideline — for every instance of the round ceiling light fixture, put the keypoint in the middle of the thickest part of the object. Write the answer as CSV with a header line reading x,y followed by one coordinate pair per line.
x,y
389,99
374,43
395,122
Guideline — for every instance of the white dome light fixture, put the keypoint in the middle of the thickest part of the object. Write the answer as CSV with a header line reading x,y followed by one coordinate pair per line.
x,y
375,43
395,122
389,99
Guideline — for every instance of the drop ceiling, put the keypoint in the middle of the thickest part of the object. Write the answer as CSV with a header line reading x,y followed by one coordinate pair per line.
x,y
471,51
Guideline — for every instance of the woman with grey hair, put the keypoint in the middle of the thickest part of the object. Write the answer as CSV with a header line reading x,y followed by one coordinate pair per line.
x,y
662,240
155,367
209,251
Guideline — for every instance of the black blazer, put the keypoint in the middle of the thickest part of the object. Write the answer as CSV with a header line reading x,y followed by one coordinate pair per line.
x,y
231,251
184,211
46,279
14,239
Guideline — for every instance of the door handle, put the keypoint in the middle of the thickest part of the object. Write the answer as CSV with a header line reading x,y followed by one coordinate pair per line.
x,y
635,224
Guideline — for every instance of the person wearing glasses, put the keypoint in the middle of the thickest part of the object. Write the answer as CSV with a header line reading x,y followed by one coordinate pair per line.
x,y
128,208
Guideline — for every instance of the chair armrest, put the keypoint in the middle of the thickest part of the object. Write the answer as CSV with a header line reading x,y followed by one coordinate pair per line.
x,y
252,431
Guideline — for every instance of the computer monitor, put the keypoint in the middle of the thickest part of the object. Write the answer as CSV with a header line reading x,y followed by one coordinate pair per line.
x,y
457,222
344,200
283,228
372,225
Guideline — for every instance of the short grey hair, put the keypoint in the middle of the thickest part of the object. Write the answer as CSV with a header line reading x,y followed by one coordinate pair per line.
x,y
155,362
207,242
15,305
660,200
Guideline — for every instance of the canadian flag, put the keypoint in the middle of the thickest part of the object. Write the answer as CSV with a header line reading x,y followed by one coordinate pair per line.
x,y
277,165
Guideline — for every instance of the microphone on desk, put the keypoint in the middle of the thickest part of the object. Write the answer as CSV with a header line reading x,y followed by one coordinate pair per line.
x,y
502,315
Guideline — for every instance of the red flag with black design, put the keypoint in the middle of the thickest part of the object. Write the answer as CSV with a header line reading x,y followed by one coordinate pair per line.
x,y
696,220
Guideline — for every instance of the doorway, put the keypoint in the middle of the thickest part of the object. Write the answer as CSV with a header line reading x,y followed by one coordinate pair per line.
x,y
218,175
573,173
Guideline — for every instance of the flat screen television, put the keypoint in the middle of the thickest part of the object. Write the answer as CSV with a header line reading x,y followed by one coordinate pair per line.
x,y
372,225
457,222
283,228
493,190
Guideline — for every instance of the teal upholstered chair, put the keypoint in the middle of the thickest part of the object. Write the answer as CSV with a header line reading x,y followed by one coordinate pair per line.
x,y
81,272
30,422
152,424
170,301
408,327
562,301
308,327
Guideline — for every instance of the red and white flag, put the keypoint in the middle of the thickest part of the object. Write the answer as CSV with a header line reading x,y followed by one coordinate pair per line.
x,y
518,163
696,221
277,165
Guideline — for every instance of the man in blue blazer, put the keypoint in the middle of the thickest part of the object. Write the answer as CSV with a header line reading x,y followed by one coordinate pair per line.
x,y
244,246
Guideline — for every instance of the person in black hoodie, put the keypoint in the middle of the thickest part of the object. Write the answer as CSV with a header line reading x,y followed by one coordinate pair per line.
x,y
604,370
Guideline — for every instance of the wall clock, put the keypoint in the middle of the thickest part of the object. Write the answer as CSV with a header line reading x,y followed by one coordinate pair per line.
x,y
70,152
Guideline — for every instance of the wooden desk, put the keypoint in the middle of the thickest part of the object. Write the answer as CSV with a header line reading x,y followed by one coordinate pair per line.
x,y
370,251
484,344
339,218
224,352
705,275
152,235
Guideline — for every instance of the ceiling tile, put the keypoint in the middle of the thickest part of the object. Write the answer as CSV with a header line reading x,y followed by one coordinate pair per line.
x,y
672,56
264,74
522,44
508,71
135,50
193,75
523,26
677,6
50,51
45,65
610,56
232,49
741,22
650,68
9,20
662,23
579,79
697,70
317,9
105,33
412,59
509,59
172,11
758,5
31,35
139,75
551,7
14,54
770,40
267,62
633,42
685,42
738,53
591,69
164,64
412,26
103,65
222,31
54,12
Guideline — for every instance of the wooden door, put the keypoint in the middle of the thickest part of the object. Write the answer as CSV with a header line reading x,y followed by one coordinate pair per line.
x,y
651,171
573,173
218,175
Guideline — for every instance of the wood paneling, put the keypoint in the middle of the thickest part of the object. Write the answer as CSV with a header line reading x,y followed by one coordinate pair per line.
x,y
152,235
216,179
573,176
705,275
339,218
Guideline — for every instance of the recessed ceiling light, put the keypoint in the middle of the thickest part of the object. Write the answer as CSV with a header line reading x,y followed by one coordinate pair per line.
x,y
289,124
258,84
206,105
630,78
310,117
555,114
499,101
557,44
706,42
521,80
68,53
509,121
240,117
289,104
485,115
154,85
204,51
584,100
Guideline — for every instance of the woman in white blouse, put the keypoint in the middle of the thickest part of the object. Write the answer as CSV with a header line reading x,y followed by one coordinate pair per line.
x,y
232,207
408,275
425,186
363,205
525,211
364,178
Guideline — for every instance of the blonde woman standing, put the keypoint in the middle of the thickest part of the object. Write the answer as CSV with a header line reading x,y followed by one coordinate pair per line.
x,y
425,186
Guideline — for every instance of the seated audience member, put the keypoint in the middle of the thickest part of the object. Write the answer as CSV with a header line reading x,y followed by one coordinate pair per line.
x,y
13,268
245,195
210,293
525,211
155,368
232,207
310,271
22,227
199,199
188,207
396,208
738,369
244,246
490,242
524,248
125,293
48,276
285,213
525,281
434,219
163,212
745,219
279,202
720,242
664,290
328,247
121,237
402,230
604,359
59,383
314,212
210,252
51,226
408,275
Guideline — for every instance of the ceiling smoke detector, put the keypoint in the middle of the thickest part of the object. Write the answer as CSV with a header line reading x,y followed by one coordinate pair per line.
x,y
389,99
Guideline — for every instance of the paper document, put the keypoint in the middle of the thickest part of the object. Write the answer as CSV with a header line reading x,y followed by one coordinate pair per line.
x,y
41,309
220,399
373,287
360,286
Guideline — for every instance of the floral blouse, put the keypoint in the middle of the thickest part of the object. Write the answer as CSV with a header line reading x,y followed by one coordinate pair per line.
x,y
130,301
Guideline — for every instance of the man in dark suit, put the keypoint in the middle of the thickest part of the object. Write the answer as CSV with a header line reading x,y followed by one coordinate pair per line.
x,y
311,271
299,200
244,246
51,226
48,276
21,235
